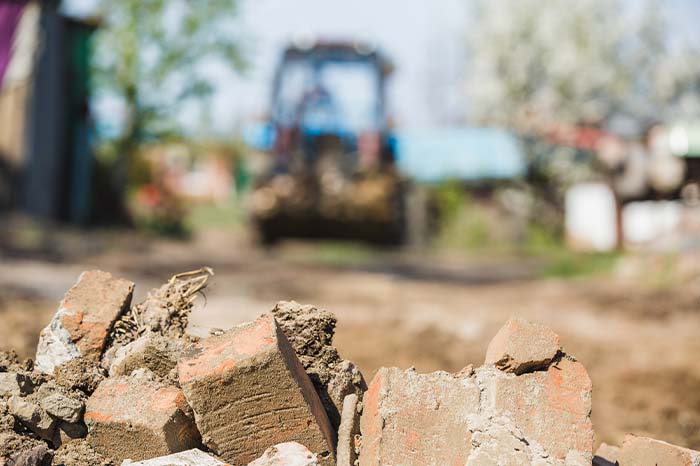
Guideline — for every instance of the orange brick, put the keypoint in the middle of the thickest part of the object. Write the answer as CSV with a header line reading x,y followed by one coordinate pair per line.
x,y
84,319
137,418
642,451
520,346
248,391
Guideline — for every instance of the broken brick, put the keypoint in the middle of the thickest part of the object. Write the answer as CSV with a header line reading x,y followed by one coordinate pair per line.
x,y
521,346
248,391
643,451
137,418
552,408
417,419
82,323
310,331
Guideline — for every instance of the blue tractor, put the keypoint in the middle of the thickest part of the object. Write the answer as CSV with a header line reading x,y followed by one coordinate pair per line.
x,y
331,170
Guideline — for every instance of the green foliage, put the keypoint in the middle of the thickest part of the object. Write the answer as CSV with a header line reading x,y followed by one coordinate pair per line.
x,y
156,210
468,225
569,264
150,53
229,215
449,198
472,227
558,261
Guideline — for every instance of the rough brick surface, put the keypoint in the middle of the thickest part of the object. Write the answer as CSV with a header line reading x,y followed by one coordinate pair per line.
x,y
248,391
521,346
192,457
551,408
642,451
498,442
137,418
82,323
310,331
349,431
286,454
417,419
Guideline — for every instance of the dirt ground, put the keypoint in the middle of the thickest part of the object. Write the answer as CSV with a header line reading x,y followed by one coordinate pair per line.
x,y
636,330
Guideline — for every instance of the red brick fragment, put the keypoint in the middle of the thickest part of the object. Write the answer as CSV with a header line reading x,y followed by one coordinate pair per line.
x,y
137,418
248,391
84,319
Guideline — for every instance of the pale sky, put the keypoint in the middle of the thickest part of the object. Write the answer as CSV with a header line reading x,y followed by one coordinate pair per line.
x,y
422,41
423,38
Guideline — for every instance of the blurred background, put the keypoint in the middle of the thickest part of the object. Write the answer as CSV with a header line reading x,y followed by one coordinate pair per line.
x,y
423,171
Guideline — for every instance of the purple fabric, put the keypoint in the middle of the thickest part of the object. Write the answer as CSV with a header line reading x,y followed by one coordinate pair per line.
x,y
10,13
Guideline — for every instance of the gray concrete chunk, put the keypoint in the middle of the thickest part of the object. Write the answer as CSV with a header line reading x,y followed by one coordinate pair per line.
x,y
12,383
63,407
286,454
192,457
33,417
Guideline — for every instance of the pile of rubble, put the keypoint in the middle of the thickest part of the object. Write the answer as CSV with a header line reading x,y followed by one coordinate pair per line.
x,y
122,384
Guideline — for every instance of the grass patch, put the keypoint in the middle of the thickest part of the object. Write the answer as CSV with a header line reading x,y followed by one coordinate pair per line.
x,y
212,215
571,264
335,253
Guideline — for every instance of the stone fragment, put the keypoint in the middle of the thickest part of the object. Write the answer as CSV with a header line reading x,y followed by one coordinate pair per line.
x,y
79,374
10,362
63,407
310,331
137,418
155,352
84,318
69,431
33,417
286,454
13,445
248,391
192,457
643,451
349,431
7,420
606,455
39,455
417,419
521,346
13,383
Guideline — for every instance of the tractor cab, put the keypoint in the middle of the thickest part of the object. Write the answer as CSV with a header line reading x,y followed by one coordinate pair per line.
x,y
331,172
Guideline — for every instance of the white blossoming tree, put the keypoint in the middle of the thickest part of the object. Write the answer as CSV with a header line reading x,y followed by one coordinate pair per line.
x,y
538,66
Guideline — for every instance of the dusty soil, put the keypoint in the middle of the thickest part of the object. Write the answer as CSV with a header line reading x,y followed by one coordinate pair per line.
x,y
636,331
